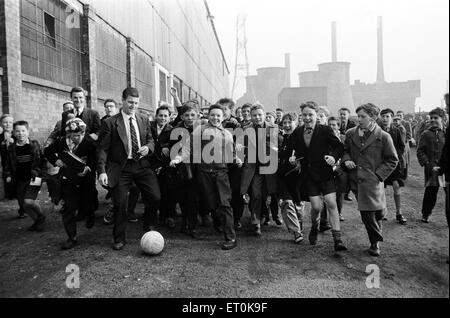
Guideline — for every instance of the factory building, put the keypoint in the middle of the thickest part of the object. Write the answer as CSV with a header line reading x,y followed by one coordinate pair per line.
x,y
49,46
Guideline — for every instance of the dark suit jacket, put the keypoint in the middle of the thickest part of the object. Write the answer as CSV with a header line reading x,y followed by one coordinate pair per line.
x,y
90,117
350,124
249,168
323,143
408,128
443,161
3,150
399,144
162,141
85,150
112,150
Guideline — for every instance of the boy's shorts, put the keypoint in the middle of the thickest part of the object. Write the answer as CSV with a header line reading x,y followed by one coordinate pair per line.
x,y
26,191
32,192
314,188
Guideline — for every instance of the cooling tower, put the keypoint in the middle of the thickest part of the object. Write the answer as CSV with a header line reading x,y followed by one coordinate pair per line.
x,y
336,77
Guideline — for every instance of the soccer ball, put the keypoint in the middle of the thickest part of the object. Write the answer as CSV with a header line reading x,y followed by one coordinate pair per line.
x,y
152,243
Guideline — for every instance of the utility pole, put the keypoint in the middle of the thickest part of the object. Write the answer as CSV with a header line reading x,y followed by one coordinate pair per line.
x,y
241,65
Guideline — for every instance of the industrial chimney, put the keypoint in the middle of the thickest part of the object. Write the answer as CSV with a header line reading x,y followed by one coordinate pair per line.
x,y
333,42
380,69
287,66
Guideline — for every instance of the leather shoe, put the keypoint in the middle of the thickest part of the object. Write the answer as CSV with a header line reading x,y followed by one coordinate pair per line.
x,y
40,223
228,245
298,238
90,221
70,243
118,246
324,227
132,218
347,198
425,220
258,231
401,219
170,223
339,246
374,250
278,221
313,237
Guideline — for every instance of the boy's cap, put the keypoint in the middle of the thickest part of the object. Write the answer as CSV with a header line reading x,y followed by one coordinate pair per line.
x,y
75,125
271,114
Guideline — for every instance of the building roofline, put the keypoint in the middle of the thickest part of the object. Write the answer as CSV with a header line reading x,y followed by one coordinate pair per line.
x,y
215,34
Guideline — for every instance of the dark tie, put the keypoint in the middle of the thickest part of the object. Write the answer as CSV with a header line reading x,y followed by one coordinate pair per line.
x,y
308,131
134,142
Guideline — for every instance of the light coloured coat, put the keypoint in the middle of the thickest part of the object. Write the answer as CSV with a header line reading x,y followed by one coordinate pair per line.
x,y
376,159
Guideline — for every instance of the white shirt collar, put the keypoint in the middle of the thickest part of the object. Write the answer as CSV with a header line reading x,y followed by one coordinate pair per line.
x,y
25,143
127,117
79,111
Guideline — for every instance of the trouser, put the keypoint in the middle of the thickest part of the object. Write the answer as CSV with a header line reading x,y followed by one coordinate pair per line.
x,y
273,206
22,192
237,203
189,204
168,199
90,182
75,198
258,195
429,200
216,193
140,174
373,222
54,188
447,202
292,217
10,189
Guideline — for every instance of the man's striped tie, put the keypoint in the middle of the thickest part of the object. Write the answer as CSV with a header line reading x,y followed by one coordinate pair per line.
x,y
134,142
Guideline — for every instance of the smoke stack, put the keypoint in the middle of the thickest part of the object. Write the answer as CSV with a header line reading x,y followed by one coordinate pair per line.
x,y
380,69
333,42
287,66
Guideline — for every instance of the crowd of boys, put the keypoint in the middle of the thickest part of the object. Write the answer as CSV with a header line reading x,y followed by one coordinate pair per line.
x,y
319,158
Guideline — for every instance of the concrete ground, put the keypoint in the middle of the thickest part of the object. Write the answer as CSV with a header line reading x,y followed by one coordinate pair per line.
x,y
413,261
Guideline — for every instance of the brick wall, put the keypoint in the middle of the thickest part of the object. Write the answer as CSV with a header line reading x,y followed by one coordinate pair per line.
x,y
42,108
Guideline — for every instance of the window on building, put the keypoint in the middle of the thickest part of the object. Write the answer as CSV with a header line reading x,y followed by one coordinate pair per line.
x,y
162,87
49,29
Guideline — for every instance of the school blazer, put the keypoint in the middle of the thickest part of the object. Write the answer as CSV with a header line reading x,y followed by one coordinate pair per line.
x,y
323,143
85,150
112,148
37,164
162,141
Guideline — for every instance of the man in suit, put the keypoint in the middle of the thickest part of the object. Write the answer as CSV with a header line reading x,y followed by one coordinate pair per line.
x,y
92,120
89,116
256,175
125,142
318,149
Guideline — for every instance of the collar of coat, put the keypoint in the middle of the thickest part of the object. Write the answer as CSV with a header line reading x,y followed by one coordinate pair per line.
x,y
375,135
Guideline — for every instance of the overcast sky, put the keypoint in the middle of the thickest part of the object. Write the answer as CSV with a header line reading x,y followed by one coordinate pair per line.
x,y
416,32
